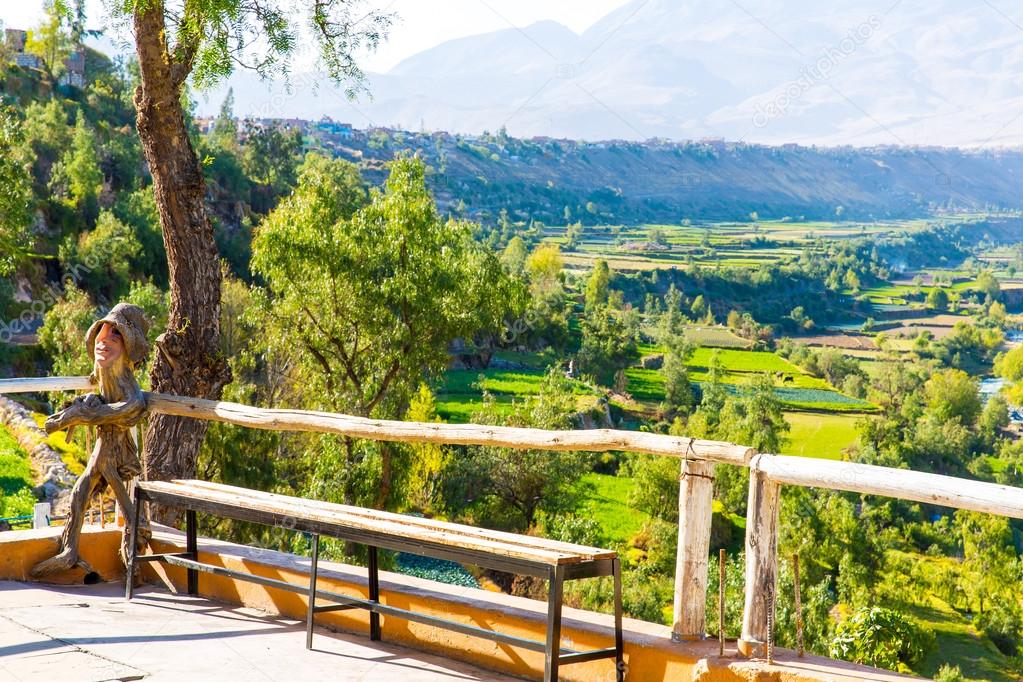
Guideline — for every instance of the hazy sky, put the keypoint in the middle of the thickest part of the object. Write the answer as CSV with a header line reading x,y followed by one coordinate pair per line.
x,y
422,23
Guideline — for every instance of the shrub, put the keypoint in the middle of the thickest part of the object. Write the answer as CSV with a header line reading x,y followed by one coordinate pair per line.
x,y
1001,624
880,637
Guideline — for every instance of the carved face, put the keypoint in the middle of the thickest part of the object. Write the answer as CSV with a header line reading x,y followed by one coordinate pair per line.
x,y
109,346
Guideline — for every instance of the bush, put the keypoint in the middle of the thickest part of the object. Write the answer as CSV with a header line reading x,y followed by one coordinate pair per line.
x,y
949,673
880,637
1001,624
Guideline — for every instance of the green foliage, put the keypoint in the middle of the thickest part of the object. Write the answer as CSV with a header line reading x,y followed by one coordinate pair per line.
x,y
952,395
880,637
607,346
212,38
498,487
101,259
16,200
419,481
1010,364
62,336
655,488
372,294
949,673
596,285
937,299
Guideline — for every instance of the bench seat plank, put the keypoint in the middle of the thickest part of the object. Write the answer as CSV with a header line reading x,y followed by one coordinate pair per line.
x,y
594,553
437,534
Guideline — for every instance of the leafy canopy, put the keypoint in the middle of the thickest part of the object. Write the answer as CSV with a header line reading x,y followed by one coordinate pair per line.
x,y
210,38
373,293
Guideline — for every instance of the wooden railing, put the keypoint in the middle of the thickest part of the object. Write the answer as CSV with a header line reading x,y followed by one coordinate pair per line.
x,y
698,459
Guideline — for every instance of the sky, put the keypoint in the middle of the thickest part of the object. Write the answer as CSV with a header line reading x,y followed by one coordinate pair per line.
x,y
421,23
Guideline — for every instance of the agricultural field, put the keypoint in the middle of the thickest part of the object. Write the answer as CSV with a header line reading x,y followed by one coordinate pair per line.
x,y
607,504
795,388
719,244
824,436
461,393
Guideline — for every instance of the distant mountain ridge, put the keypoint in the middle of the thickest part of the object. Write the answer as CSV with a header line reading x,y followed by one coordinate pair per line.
x,y
915,72
659,181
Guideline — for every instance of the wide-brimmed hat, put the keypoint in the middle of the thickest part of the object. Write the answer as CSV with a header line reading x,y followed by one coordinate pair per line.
x,y
131,321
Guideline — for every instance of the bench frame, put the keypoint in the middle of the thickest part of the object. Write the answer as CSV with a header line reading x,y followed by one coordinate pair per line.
x,y
556,575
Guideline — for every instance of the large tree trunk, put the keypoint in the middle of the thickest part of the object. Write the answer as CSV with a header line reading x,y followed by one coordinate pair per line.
x,y
189,361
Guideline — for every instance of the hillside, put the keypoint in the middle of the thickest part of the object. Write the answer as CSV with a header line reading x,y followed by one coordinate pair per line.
x,y
660,181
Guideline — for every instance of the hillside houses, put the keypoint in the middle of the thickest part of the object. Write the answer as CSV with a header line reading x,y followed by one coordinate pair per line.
x,y
73,75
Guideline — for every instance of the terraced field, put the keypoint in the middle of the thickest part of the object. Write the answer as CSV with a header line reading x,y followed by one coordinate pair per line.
x,y
461,393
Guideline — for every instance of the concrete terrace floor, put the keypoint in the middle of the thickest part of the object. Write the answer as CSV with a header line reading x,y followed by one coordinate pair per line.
x,y
90,633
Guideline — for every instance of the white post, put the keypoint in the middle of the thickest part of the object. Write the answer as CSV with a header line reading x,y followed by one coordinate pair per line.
x,y
41,515
695,512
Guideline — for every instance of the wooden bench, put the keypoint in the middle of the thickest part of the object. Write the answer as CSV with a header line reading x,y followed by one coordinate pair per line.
x,y
520,554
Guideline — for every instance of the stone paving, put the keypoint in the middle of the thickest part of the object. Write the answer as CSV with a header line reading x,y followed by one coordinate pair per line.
x,y
90,633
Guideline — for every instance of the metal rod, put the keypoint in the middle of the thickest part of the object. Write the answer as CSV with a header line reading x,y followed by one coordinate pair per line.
x,y
312,592
192,547
799,607
129,577
616,569
721,602
415,617
551,653
374,594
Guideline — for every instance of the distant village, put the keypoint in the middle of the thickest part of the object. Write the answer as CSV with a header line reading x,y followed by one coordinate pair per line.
x,y
74,64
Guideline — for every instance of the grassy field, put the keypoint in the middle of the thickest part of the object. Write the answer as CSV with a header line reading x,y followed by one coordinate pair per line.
x,y
608,506
724,244
461,394
16,480
819,435
794,387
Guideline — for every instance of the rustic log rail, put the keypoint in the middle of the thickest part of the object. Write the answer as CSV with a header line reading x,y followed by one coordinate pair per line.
x,y
698,461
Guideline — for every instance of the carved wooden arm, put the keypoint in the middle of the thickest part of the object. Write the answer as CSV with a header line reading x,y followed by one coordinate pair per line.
x,y
91,410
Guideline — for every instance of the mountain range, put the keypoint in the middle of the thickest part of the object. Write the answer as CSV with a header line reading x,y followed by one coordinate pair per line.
x,y
875,72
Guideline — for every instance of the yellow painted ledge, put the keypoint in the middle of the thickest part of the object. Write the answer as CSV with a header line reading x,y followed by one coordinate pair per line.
x,y
649,652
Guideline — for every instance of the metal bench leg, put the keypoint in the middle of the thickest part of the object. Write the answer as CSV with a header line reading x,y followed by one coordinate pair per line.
x,y
616,569
129,578
374,594
312,593
553,651
192,547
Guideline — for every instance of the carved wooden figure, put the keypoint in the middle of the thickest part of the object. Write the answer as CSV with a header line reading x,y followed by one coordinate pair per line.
x,y
118,347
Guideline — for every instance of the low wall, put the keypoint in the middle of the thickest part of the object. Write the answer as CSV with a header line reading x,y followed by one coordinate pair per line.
x,y
649,652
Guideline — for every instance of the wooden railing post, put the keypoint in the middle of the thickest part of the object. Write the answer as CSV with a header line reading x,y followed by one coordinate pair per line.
x,y
761,560
695,511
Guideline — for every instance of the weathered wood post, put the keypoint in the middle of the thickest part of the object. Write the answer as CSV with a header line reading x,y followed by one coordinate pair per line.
x,y
761,559
695,511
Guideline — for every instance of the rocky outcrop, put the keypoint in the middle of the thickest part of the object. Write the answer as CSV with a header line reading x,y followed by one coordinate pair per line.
x,y
53,478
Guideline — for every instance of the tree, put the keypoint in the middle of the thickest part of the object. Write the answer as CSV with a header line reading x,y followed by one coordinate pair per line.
x,y
937,299
952,394
52,41
372,295
16,198
988,285
596,285
205,41
1010,365
755,417
62,332
606,346
505,488
514,256
107,252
